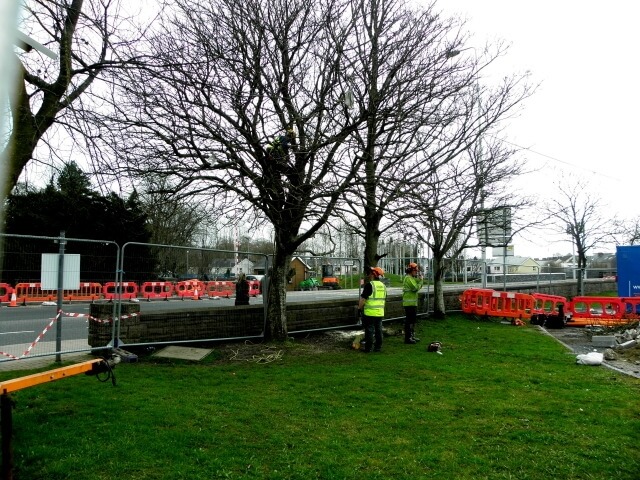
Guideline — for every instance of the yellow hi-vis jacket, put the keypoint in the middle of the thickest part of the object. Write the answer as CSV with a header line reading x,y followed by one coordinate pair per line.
x,y
410,288
374,305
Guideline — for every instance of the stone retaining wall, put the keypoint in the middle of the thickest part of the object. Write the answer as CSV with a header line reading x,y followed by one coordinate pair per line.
x,y
248,321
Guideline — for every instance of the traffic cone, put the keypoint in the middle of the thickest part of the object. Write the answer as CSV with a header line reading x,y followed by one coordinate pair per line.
x,y
195,295
14,300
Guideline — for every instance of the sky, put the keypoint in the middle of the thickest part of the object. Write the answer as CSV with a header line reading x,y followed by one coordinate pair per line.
x,y
582,121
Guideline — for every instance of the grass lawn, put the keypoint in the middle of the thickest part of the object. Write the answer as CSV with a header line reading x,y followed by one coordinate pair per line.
x,y
500,402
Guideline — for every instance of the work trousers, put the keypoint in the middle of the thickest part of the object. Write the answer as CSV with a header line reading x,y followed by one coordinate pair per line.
x,y
411,316
372,333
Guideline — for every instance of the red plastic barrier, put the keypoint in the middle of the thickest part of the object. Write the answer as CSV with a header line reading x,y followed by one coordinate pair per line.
x,y
487,302
254,288
476,300
87,291
156,290
631,307
545,304
32,292
221,289
5,292
187,288
127,290
602,311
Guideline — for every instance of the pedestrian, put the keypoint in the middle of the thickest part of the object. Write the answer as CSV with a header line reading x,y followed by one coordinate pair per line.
x,y
242,290
410,287
371,307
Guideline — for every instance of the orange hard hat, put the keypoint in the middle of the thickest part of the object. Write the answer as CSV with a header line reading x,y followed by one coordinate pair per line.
x,y
412,266
378,272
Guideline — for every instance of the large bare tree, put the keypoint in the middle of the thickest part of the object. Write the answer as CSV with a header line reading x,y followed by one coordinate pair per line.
x,y
424,114
400,74
224,79
87,36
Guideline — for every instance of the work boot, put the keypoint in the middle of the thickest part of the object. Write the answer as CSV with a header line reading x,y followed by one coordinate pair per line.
x,y
413,336
407,337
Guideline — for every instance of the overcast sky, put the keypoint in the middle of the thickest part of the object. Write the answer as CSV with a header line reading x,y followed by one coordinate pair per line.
x,y
582,121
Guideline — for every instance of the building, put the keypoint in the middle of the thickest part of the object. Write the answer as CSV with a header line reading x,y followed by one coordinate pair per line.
x,y
513,264
298,272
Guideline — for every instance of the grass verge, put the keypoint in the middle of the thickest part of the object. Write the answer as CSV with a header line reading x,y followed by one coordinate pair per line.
x,y
500,402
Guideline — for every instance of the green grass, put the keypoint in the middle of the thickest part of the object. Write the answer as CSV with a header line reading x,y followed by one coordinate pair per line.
x,y
500,402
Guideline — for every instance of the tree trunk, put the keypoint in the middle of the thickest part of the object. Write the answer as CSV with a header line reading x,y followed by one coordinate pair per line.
x,y
371,238
439,309
582,266
276,328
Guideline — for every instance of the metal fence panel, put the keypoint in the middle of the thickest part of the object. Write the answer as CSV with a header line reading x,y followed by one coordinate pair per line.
x,y
169,276
41,316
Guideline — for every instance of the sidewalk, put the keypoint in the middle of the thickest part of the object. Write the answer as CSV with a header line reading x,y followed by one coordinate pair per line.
x,y
44,361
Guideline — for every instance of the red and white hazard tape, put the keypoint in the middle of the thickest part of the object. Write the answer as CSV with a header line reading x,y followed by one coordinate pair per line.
x,y
9,355
46,329
53,320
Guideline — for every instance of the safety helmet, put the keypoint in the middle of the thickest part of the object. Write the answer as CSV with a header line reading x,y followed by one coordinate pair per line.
x,y
412,267
377,272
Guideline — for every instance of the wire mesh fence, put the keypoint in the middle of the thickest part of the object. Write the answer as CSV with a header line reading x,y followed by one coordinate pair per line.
x,y
46,285
51,285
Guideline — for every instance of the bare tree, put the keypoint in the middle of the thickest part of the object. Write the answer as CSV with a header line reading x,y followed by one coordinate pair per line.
x,y
446,206
225,79
86,36
400,74
577,212
425,114
629,232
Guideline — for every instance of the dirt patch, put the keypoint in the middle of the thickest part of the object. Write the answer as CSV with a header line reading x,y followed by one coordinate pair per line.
x,y
315,343
578,340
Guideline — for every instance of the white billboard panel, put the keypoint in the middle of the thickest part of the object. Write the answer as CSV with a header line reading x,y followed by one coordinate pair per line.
x,y
49,271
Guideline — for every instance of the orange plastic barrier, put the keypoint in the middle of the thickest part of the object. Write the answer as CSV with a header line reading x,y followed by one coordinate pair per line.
x,y
221,289
254,288
603,311
87,291
476,300
187,288
5,292
32,292
162,290
127,290
547,304
491,303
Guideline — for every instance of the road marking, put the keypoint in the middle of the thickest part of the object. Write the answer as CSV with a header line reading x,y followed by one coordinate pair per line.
x,y
12,333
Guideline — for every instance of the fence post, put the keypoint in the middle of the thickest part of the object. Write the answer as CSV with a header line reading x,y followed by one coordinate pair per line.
x,y
61,242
